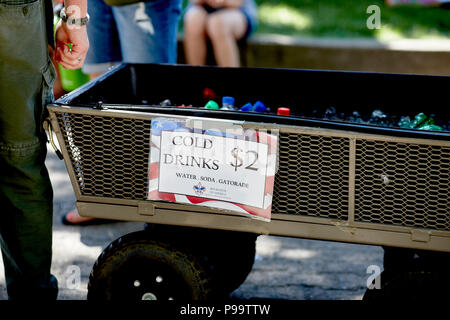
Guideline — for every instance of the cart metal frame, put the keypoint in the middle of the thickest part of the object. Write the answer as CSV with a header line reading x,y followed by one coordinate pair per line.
x,y
351,226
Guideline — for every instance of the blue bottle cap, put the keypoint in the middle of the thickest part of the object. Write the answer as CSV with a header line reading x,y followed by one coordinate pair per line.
x,y
247,107
259,106
229,100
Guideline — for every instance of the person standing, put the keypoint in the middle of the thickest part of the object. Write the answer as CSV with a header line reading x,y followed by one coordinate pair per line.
x,y
26,79
142,32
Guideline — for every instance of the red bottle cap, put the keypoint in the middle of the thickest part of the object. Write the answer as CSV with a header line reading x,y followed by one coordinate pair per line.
x,y
208,94
283,111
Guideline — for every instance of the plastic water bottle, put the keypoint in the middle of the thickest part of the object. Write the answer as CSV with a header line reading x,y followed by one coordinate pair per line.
x,y
247,107
165,103
227,103
259,107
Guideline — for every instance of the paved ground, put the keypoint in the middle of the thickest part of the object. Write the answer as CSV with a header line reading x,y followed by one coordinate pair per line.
x,y
285,268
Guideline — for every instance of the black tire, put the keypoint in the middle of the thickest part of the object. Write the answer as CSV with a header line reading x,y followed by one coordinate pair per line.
x,y
134,267
230,255
231,260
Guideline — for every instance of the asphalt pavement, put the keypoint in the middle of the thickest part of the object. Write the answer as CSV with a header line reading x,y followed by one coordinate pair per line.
x,y
284,268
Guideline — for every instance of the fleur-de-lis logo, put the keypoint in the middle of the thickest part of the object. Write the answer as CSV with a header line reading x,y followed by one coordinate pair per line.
x,y
199,189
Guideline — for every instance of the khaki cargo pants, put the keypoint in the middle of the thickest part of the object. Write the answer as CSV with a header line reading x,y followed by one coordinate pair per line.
x,y
26,79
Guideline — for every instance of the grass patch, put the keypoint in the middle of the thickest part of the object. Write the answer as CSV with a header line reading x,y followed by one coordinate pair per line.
x,y
347,19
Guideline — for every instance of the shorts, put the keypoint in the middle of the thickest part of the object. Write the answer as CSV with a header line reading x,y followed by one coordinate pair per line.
x,y
251,23
144,32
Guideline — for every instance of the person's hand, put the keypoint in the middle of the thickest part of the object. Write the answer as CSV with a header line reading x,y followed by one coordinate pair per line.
x,y
77,38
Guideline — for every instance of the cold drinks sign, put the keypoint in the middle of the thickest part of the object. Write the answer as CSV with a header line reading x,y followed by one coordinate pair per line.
x,y
219,168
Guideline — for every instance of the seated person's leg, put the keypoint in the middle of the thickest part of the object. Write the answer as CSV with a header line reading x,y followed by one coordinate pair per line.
x,y
195,35
225,27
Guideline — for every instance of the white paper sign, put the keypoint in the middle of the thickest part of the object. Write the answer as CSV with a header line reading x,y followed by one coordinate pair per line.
x,y
213,163
213,167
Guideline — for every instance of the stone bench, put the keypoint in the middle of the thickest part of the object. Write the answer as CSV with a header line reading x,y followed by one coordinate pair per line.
x,y
400,56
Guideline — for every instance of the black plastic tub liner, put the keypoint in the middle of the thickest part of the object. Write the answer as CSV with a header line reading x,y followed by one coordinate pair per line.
x,y
317,98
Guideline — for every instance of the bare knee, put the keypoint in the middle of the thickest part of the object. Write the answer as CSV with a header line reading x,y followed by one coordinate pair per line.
x,y
217,27
195,21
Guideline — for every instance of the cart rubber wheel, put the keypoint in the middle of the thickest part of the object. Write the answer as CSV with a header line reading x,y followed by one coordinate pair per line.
x,y
234,260
134,267
230,255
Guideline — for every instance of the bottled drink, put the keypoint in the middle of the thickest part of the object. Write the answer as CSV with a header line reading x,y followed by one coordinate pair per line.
x,y
259,107
283,111
419,120
247,107
211,104
227,103
431,127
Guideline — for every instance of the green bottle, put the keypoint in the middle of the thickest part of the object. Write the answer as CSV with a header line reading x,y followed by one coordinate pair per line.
x,y
70,79
211,104
405,122
431,127
419,120
429,121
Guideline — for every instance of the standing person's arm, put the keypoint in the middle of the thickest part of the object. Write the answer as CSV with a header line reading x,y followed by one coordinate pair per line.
x,y
76,35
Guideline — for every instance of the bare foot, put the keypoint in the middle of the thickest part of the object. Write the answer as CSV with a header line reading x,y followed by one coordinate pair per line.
x,y
73,218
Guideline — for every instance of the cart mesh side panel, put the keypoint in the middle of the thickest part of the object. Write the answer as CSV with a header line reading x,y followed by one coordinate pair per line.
x,y
110,158
397,184
402,184
312,177
109,155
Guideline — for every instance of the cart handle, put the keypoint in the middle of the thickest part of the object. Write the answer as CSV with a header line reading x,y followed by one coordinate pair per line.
x,y
52,142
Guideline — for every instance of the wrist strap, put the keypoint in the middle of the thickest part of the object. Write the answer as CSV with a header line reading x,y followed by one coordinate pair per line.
x,y
71,21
